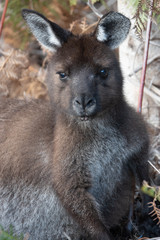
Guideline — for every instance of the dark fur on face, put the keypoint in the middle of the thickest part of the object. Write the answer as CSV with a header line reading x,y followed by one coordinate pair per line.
x,y
84,77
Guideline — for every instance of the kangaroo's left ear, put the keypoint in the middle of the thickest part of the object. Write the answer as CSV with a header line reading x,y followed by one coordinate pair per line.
x,y
49,34
112,29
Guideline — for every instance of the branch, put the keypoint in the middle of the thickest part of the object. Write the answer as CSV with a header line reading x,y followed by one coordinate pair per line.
x,y
150,93
3,16
153,166
97,13
148,32
148,62
68,238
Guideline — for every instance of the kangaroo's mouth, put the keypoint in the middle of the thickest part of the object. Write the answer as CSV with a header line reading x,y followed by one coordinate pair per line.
x,y
86,117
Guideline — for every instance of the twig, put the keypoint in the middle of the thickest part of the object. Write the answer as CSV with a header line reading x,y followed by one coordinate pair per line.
x,y
154,34
156,238
97,13
148,32
144,238
66,236
156,211
153,166
5,53
90,26
6,60
155,44
3,16
153,95
155,90
150,93
148,62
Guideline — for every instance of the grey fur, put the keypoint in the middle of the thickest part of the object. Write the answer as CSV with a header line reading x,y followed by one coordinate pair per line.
x,y
113,28
42,29
38,218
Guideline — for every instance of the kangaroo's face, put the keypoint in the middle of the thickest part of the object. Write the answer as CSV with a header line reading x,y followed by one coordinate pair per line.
x,y
84,78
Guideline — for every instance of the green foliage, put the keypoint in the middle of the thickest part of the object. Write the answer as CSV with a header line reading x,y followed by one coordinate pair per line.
x,y
151,191
9,235
140,10
74,2
65,4
14,18
94,1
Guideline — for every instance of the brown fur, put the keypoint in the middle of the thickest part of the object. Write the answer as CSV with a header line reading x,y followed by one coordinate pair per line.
x,y
82,150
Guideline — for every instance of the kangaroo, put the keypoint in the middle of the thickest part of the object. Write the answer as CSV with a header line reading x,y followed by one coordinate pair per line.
x,y
67,165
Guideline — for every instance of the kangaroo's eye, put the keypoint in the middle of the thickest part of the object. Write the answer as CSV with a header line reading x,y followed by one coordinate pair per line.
x,y
103,72
62,75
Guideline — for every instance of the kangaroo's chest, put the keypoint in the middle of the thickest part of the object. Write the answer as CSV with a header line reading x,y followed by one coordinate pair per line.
x,y
106,156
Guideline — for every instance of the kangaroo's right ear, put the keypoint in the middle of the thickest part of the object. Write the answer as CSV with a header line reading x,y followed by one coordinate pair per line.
x,y
49,34
112,29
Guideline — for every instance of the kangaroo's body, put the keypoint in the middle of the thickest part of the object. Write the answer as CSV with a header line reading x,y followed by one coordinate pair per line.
x,y
67,166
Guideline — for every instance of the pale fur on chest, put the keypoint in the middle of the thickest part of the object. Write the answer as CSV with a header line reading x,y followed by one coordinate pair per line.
x,y
105,154
36,212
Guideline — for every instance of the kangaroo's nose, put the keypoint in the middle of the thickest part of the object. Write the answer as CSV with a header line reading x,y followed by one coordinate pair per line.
x,y
84,104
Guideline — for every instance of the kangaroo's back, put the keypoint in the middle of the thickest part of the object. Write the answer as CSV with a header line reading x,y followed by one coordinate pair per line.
x,y
22,124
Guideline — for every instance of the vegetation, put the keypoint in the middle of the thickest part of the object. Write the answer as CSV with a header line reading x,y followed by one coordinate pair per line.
x,y
140,9
9,235
74,2
50,8
14,19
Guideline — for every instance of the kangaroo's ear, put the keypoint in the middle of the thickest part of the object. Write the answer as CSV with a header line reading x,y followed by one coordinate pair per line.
x,y
112,29
49,34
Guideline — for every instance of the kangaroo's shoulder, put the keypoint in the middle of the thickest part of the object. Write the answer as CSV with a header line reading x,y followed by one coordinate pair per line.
x,y
21,118
18,108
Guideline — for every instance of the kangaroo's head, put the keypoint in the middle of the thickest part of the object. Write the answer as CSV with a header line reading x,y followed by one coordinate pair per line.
x,y
84,78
